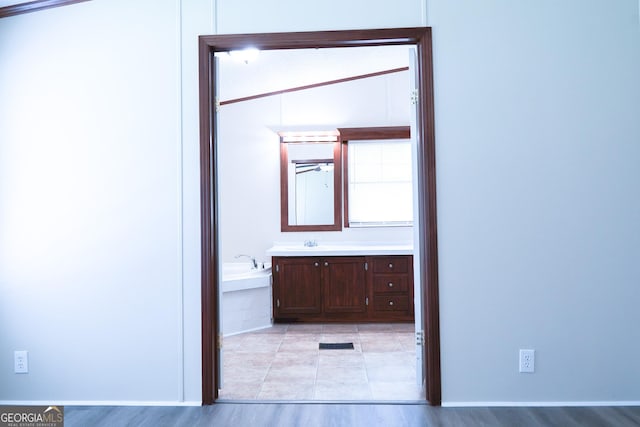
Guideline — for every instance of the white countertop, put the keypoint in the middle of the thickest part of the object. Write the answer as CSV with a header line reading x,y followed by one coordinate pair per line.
x,y
339,249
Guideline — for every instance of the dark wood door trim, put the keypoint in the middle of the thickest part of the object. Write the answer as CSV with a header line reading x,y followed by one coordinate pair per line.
x,y
427,201
34,6
419,37
209,229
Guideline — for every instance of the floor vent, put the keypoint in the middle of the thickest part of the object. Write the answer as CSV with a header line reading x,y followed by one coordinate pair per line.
x,y
336,346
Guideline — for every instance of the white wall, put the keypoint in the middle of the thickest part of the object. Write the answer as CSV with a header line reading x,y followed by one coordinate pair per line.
x,y
537,153
195,19
90,225
257,16
538,147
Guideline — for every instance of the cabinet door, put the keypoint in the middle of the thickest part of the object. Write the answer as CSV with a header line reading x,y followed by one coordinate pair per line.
x,y
297,286
345,285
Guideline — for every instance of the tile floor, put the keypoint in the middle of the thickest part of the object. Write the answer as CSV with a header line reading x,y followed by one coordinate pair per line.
x,y
284,363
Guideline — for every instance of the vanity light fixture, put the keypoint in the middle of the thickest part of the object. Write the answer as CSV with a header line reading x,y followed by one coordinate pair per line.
x,y
314,138
309,135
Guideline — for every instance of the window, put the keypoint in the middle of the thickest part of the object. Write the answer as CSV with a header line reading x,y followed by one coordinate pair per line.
x,y
379,183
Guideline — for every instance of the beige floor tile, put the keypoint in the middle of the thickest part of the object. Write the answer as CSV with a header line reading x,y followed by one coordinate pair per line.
x,y
240,390
285,363
257,339
375,327
286,390
234,342
404,327
342,374
245,374
407,341
340,328
330,390
241,359
340,358
406,390
308,336
378,335
295,373
391,374
391,358
377,346
305,328
295,358
390,367
306,343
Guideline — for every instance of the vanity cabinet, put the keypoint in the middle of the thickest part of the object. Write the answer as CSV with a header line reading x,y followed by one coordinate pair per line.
x,y
392,282
343,288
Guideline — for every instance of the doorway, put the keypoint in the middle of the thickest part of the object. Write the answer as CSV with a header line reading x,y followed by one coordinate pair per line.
x,y
209,45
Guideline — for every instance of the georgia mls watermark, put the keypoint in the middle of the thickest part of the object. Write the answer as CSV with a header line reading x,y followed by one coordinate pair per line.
x,y
31,416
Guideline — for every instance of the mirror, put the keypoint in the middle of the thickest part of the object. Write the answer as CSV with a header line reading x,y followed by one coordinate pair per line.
x,y
312,201
310,185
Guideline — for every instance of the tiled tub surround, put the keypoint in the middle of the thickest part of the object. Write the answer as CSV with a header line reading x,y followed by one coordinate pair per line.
x,y
246,297
284,363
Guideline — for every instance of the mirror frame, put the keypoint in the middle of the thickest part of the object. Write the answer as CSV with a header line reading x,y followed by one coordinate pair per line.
x,y
284,191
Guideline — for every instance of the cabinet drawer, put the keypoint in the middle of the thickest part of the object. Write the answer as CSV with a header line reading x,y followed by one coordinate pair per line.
x,y
392,264
390,283
391,303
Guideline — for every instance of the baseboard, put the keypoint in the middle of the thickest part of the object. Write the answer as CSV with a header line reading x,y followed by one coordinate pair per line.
x,y
96,403
539,404
198,403
259,328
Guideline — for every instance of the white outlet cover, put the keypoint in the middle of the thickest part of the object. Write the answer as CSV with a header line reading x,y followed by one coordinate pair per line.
x,y
21,362
527,361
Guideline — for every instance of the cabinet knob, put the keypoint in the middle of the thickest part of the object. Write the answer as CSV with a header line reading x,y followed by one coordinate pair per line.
x,y
390,302
390,265
390,285
326,264
315,264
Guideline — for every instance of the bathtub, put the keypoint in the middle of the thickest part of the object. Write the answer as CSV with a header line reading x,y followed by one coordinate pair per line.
x,y
246,298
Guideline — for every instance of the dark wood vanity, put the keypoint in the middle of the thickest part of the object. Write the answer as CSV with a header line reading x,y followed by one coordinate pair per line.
x,y
371,288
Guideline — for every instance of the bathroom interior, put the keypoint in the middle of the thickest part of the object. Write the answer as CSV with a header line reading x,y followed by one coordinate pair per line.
x,y
317,165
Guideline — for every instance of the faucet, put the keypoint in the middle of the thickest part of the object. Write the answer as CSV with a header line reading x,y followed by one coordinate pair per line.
x,y
253,260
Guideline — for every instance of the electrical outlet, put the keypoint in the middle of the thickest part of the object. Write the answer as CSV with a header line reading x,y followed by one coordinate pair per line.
x,y
21,362
527,360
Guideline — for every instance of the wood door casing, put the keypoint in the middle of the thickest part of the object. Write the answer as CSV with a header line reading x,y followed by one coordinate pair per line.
x,y
421,39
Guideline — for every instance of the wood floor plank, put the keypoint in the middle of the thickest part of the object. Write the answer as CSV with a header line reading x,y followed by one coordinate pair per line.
x,y
348,415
